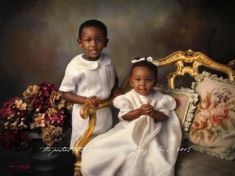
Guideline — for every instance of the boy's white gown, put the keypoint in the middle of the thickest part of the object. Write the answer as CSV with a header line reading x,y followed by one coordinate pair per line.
x,y
140,147
89,78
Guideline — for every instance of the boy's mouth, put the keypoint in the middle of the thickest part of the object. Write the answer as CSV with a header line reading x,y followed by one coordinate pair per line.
x,y
94,51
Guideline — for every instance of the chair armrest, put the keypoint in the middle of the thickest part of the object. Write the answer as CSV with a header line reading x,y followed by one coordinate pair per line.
x,y
87,111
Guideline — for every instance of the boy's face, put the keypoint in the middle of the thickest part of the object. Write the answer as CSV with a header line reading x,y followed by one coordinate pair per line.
x,y
142,80
92,42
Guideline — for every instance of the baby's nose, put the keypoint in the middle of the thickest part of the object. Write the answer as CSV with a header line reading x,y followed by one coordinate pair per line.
x,y
142,83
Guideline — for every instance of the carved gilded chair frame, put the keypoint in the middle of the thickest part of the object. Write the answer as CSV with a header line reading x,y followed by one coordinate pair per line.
x,y
196,59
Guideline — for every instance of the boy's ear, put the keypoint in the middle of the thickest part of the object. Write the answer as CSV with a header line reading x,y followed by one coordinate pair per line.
x,y
106,42
79,43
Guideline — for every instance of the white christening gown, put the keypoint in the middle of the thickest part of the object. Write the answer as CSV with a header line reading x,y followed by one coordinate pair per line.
x,y
140,147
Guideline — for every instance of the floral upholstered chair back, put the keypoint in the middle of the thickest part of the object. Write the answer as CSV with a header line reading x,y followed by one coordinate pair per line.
x,y
206,109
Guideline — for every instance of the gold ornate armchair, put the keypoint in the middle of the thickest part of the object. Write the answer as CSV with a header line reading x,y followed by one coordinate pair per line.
x,y
186,62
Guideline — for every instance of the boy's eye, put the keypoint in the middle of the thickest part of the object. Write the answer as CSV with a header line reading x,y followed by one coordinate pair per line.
x,y
137,79
100,40
87,40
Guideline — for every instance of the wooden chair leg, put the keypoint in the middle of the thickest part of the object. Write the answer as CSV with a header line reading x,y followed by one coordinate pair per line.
x,y
77,165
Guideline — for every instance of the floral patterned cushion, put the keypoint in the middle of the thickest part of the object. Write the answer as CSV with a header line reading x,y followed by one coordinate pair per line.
x,y
213,128
186,100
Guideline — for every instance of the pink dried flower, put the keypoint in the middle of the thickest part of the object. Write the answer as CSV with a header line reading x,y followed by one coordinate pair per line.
x,y
13,139
9,108
55,117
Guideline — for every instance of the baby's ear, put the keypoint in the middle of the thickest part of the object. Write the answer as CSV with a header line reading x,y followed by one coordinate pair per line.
x,y
131,81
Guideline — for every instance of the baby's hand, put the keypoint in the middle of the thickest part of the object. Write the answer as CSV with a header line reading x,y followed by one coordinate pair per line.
x,y
147,109
93,101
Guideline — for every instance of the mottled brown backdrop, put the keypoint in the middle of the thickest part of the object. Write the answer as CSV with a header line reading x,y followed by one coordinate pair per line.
x,y
38,37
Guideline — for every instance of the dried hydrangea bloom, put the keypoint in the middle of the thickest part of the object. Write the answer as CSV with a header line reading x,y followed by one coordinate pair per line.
x,y
30,91
9,109
21,105
41,107
51,135
39,121
55,117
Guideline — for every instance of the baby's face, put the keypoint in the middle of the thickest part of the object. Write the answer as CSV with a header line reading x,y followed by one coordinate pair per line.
x,y
92,41
142,80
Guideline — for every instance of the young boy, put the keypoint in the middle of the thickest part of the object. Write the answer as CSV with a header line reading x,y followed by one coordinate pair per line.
x,y
89,78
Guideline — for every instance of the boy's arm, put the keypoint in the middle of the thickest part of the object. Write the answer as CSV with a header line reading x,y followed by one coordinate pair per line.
x,y
77,99
74,98
116,90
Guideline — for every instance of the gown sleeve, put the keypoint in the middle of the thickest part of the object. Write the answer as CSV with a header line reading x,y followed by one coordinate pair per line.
x,y
123,104
166,104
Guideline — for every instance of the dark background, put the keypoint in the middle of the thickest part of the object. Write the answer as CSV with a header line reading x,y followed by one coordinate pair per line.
x,y
38,37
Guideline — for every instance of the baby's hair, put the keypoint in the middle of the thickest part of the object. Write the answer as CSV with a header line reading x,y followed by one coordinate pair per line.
x,y
93,23
147,64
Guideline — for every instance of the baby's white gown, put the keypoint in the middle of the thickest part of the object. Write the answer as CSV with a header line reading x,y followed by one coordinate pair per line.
x,y
140,147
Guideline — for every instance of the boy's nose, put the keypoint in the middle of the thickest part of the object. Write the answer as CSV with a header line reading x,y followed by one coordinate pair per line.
x,y
93,43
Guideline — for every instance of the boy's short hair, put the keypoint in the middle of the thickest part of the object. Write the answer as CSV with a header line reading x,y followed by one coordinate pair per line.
x,y
93,23
145,63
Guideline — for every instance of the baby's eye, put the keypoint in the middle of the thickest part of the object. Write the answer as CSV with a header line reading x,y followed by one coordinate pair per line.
x,y
149,80
137,79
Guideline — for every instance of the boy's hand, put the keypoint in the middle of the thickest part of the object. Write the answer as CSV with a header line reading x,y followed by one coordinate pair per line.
x,y
93,100
147,109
